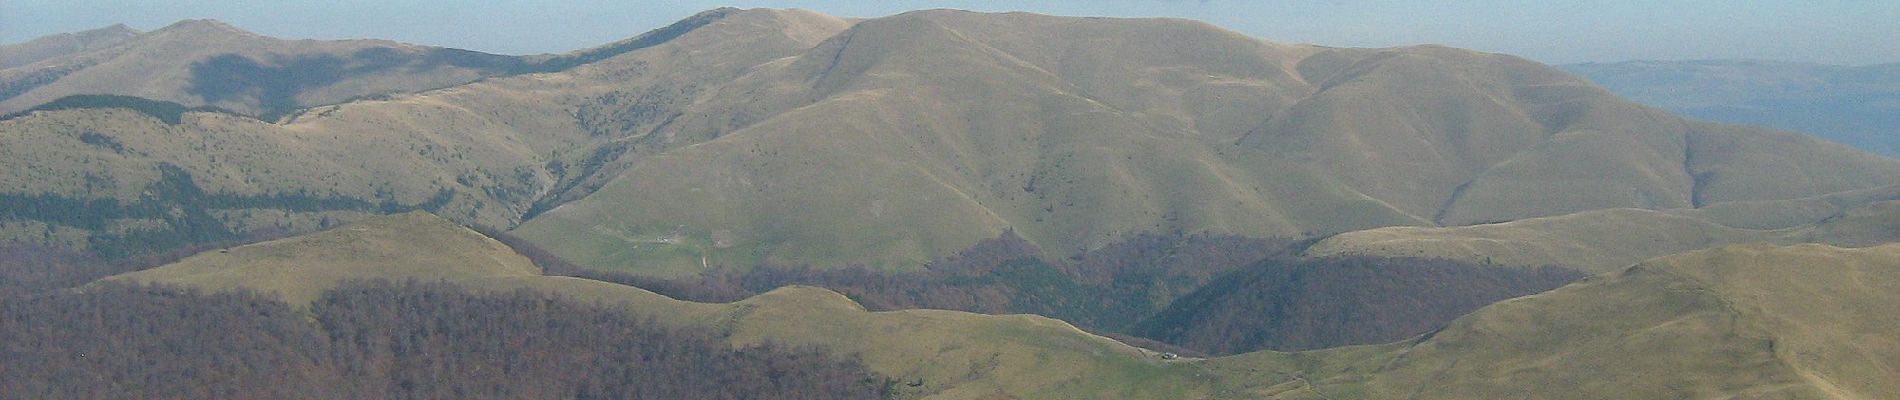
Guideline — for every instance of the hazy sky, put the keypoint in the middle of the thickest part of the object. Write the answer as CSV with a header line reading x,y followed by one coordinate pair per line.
x,y
1826,31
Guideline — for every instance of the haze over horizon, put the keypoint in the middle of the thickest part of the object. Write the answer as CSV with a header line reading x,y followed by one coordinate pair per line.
x,y
1828,32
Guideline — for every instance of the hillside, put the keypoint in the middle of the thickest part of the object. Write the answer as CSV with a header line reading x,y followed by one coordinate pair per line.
x,y
1753,321
209,63
912,136
413,245
120,180
1339,301
1852,105
49,46
1608,240
747,137
1796,322
955,354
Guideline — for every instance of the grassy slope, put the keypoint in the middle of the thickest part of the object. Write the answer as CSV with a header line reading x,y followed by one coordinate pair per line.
x,y
1607,240
956,354
396,247
1805,321
50,46
1594,241
494,144
793,137
912,136
1754,321
163,65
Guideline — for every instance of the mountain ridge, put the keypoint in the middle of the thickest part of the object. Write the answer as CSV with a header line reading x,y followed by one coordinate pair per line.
x,y
792,137
1747,320
211,63
869,76
55,45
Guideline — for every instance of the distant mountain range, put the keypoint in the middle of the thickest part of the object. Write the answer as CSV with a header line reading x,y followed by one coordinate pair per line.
x,y
1859,106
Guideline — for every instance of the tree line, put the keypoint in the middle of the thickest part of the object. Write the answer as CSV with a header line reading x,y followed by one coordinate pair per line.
x,y
31,268
384,340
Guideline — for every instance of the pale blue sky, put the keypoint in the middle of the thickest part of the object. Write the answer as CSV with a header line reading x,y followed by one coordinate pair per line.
x,y
1826,31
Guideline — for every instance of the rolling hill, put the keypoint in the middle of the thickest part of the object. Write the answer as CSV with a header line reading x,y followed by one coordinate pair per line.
x,y
1854,105
397,247
914,135
741,138
209,63
1803,321
1607,240
1735,322
41,48
956,354
744,137
119,177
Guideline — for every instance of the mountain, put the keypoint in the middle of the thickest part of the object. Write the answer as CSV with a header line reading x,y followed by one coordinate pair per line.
x,y
1852,105
743,138
747,137
1741,321
1754,321
405,246
125,176
209,63
915,135
44,47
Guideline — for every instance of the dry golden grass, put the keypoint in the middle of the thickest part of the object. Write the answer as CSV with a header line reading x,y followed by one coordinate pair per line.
x,y
414,245
1753,321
